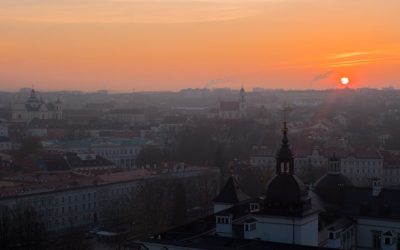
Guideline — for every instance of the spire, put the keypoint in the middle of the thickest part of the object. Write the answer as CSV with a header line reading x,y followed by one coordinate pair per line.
x,y
285,140
33,93
284,155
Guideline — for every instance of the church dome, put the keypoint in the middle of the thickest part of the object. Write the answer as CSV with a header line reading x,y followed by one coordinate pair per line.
x,y
330,186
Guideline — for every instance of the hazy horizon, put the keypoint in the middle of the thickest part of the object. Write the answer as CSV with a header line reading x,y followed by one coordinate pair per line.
x,y
162,45
189,88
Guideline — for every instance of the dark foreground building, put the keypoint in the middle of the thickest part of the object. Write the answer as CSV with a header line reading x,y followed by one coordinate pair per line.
x,y
333,214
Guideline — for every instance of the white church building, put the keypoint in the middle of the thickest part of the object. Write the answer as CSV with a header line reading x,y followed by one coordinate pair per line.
x,y
37,108
234,109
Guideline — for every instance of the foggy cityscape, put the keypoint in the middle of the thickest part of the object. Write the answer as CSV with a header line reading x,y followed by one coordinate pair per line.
x,y
187,125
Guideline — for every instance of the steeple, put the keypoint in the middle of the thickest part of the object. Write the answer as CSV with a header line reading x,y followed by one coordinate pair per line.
x,y
284,158
33,93
242,94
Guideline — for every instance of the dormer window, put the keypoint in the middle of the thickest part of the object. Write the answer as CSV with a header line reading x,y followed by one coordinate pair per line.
x,y
248,227
254,207
334,235
224,219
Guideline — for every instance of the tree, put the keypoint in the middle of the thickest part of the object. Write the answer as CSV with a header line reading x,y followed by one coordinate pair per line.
x,y
179,205
73,239
31,145
149,155
21,227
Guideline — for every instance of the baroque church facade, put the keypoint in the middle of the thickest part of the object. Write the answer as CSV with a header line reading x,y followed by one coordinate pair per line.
x,y
37,108
333,214
234,109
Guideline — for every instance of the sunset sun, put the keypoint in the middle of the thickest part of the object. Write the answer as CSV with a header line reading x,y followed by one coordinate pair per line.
x,y
344,80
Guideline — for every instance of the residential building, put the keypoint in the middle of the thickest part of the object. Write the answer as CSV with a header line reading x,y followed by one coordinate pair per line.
x,y
121,151
3,128
69,199
126,116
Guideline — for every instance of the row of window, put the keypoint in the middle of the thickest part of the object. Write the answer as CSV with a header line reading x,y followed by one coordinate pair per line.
x,y
64,199
361,163
361,171
89,217
224,220
123,151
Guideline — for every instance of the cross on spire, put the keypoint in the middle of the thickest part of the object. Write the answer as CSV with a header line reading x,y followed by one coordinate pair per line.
x,y
286,111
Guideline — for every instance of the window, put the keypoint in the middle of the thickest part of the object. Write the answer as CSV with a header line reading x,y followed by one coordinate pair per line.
x,y
254,207
223,220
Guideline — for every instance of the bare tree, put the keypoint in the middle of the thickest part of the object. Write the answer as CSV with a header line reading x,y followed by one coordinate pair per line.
x,y
21,227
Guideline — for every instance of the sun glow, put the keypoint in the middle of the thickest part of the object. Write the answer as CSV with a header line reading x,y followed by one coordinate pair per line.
x,y
344,80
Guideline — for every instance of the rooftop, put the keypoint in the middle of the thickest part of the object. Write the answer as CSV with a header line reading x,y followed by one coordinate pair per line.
x,y
15,184
96,142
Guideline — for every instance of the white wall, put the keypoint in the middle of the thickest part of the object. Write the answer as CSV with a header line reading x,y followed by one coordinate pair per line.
x,y
366,227
281,229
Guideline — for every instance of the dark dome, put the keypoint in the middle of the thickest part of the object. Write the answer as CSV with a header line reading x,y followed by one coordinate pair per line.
x,y
330,186
286,195
286,188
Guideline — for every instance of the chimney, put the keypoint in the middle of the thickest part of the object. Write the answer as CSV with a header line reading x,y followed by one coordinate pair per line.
x,y
376,187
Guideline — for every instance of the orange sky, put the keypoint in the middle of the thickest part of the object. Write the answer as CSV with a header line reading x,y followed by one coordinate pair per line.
x,y
123,45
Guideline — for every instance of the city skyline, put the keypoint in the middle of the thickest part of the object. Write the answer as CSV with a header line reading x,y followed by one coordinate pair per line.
x,y
123,45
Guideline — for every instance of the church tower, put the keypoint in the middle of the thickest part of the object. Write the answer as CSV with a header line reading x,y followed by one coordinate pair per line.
x,y
287,215
58,109
284,157
242,103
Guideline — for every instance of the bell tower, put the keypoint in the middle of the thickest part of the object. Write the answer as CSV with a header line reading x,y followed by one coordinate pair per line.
x,y
242,103
284,158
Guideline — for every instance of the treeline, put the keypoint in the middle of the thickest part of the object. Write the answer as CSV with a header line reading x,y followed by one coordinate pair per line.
x,y
202,141
21,228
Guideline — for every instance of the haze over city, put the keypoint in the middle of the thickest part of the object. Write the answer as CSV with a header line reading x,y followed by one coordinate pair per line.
x,y
157,45
199,124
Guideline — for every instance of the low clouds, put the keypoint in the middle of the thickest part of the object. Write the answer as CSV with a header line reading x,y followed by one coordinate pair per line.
x,y
386,53
322,76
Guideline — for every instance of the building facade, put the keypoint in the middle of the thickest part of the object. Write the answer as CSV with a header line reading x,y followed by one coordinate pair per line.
x,y
90,201
126,116
360,167
121,151
234,109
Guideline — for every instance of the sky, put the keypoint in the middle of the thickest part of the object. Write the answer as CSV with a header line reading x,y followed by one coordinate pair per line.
x,y
157,45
